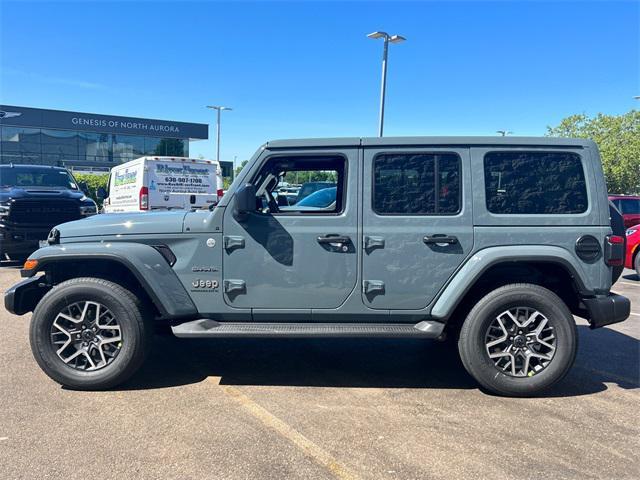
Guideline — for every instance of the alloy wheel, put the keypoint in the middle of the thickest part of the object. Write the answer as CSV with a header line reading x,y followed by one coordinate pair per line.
x,y
86,336
521,342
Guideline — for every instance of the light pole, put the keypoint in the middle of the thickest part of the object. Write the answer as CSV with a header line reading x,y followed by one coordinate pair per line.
x,y
219,109
383,87
504,133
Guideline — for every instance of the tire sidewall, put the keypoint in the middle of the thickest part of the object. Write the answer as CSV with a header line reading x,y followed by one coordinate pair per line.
x,y
45,353
483,368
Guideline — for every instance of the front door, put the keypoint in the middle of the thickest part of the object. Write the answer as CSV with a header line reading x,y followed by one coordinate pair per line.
x,y
417,223
295,252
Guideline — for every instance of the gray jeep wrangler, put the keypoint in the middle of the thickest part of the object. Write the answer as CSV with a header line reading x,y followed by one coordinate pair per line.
x,y
492,242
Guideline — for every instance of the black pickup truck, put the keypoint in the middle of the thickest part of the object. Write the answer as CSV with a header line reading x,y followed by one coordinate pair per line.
x,y
33,199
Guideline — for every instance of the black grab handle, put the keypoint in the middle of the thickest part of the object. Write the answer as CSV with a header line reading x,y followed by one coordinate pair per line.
x,y
432,239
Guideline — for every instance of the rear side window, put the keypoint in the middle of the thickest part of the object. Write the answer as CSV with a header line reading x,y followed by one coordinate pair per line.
x,y
534,183
630,206
416,184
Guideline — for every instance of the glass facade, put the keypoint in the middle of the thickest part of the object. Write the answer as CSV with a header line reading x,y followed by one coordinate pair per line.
x,y
81,149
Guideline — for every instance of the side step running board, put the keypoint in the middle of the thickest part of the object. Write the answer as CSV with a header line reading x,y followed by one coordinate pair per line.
x,y
205,328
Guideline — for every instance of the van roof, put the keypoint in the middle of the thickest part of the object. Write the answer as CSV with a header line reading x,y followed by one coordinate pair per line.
x,y
439,141
174,159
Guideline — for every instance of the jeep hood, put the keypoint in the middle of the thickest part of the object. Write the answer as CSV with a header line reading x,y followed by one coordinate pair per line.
x,y
133,223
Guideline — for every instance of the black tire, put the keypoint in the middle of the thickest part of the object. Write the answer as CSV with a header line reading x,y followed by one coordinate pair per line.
x,y
473,350
136,333
637,264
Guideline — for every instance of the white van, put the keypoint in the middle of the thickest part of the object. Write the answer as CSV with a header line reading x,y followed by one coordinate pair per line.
x,y
153,183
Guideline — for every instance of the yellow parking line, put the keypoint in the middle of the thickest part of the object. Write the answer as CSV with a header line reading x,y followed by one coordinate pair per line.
x,y
311,449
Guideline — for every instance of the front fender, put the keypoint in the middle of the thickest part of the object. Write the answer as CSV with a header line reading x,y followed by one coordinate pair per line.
x,y
148,266
484,259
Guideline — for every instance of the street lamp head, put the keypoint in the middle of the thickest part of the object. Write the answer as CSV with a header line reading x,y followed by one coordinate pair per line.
x,y
218,107
397,39
637,97
378,35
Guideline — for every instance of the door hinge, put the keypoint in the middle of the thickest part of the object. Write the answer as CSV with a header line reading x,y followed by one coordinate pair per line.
x,y
231,242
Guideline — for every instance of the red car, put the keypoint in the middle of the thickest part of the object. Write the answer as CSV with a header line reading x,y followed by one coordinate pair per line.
x,y
632,259
629,207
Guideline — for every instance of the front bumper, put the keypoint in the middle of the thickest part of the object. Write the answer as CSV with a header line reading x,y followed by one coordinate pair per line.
x,y
607,309
20,241
25,295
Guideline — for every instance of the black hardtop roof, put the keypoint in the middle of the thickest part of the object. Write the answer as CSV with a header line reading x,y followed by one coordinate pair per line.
x,y
431,141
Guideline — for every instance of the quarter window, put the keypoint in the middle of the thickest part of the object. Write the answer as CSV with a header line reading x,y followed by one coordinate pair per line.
x,y
534,183
416,184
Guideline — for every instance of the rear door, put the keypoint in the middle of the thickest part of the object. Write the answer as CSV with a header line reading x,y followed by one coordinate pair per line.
x,y
417,223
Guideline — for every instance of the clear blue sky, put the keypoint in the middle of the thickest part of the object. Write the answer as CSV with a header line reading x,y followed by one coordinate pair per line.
x,y
306,69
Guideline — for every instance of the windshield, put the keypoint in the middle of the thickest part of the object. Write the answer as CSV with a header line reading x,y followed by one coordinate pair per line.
x,y
321,199
36,177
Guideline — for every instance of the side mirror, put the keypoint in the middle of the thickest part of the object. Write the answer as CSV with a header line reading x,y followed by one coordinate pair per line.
x,y
101,193
83,186
245,199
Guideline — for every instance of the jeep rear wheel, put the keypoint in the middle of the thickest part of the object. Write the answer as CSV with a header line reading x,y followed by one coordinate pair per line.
x,y
518,340
89,334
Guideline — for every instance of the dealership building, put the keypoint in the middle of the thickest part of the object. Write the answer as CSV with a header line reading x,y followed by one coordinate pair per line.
x,y
89,141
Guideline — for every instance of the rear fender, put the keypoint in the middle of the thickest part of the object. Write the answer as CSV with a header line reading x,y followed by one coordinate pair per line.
x,y
481,261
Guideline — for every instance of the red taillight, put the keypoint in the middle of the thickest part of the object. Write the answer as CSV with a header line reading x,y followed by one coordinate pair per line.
x,y
220,193
614,250
144,198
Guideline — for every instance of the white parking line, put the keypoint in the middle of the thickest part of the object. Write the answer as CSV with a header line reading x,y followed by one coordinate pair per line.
x,y
636,314
629,283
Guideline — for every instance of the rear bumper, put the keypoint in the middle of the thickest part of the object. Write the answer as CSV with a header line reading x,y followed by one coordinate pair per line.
x,y
607,309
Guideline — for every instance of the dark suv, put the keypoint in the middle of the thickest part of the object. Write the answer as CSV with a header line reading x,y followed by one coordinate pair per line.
x,y
34,198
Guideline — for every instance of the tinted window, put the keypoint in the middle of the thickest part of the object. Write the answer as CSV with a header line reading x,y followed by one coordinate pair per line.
x,y
534,183
630,206
416,184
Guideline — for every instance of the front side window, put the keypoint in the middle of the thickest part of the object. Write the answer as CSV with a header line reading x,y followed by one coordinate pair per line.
x,y
416,184
301,185
525,183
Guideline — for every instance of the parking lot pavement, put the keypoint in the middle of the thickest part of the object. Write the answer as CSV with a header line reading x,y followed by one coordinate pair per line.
x,y
397,409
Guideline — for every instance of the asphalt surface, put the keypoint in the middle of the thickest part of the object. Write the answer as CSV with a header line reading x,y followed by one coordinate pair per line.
x,y
394,409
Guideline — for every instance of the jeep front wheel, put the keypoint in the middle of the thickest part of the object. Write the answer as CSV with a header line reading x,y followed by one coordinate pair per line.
x,y
89,334
518,340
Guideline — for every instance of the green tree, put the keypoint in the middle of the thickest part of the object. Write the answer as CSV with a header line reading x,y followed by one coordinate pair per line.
x,y
242,165
93,182
617,137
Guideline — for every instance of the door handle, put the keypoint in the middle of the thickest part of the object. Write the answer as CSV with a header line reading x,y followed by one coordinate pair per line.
x,y
339,243
438,239
328,239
